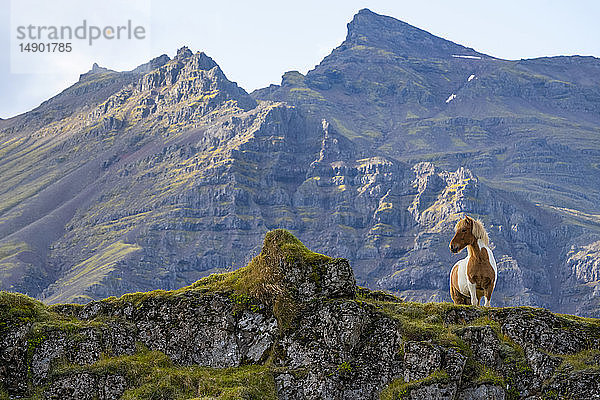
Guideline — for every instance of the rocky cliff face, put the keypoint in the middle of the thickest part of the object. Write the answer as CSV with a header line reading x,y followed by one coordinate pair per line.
x,y
156,177
163,187
291,325
404,93
522,130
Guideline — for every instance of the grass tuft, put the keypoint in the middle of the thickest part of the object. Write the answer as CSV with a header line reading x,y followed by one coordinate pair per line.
x,y
399,389
152,375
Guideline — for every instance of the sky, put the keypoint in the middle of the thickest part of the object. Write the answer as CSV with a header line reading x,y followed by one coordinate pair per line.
x,y
256,42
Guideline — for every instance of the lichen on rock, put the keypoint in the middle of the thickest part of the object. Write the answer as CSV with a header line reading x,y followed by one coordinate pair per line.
x,y
292,324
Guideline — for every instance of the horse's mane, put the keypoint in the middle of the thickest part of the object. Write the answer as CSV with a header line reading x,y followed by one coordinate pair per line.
x,y
478,230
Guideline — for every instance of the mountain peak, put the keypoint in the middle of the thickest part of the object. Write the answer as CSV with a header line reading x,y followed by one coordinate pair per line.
x,y
365,11
183,53
193,76
199,59
96,69
368,28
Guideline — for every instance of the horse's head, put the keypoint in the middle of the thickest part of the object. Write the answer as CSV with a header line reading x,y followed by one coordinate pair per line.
x,y
463,235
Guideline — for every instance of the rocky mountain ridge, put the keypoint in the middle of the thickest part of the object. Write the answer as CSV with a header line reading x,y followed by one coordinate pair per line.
x,y
156,177
291,325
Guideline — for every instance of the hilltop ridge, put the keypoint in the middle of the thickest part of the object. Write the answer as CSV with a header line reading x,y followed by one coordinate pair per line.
x,y
368,28
292,324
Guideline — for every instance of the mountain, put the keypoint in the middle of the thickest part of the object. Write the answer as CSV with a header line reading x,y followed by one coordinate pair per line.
x,y
529,125
291,325
156,177
142,189
522,135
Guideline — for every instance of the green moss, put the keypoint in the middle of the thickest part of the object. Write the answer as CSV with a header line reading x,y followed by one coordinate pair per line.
x,y
152,375
242,301
345,367
34,340
584,360
137,298
16,308
485,320
424,322
399,389
517,369
318,270
289,244
592,322
176,383
377,296
550,395
19,308
36,394
490,376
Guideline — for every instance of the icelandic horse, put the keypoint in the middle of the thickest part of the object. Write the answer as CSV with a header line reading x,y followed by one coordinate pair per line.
x,y
474,276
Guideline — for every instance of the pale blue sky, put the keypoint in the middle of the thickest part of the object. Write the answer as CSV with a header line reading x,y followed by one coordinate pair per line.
x,y
256,42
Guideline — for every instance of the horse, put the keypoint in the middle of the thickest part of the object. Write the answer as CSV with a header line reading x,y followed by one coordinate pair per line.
x,y
474,276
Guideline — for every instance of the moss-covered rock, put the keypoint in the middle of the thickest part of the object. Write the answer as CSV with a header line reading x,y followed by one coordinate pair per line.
x,y
290,325
286,267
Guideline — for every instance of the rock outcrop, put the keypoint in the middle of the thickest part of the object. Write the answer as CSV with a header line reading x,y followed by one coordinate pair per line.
x,y
291,325
156,177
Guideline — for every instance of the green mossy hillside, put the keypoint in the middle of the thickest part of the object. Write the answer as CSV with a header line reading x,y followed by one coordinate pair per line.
x,y
261,278
266,286
152,375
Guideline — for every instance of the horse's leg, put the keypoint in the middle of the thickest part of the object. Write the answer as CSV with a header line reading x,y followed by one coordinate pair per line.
x,y
458,297
487,292
473,292
454,295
